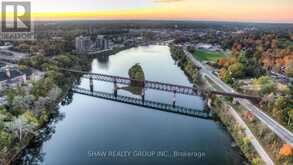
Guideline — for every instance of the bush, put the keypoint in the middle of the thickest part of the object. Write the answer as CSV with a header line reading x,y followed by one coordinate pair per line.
x,y
5,139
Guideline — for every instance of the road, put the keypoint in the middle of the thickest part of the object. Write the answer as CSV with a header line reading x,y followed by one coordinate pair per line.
x,y
278,129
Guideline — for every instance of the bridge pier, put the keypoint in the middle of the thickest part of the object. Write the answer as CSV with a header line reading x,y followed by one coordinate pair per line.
x,y
199,93
209,102
91,84
159,85
174,98
115,88
143,95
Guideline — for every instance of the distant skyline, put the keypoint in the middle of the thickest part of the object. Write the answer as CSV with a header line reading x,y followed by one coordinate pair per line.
x,y
210,10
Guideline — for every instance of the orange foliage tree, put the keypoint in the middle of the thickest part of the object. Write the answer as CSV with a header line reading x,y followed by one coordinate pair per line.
x,y
249,116
286,150
221,61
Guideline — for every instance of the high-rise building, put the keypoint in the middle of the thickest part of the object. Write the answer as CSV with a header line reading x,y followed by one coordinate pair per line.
x,y
100,42
106,44
82,44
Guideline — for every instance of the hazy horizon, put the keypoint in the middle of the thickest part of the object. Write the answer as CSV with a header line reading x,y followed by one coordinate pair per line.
x,y
164,20
263,11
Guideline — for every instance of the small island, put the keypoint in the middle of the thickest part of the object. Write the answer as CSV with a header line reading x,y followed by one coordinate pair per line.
x,y
136,73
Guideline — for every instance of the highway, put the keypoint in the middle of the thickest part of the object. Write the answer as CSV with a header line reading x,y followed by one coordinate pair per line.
x,y
278,129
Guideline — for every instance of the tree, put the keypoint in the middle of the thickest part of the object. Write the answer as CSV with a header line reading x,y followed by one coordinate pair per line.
x,y
281,103
42,87
286,150
289,70
23,67
37,61
227,78
10,94
249,116
21,126
64,61
54,93
266,85
281,107
30,118
22,103
5,139
290,116
237,70
221,61
267,89
40,105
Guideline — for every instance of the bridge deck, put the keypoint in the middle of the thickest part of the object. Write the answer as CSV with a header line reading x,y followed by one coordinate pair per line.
x,y
156,85
146,103
146,84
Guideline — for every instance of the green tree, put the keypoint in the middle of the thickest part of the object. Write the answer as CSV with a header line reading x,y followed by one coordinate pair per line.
x,y
227,78
64,61
21,126
237,70
290,117
5,139
266,85
22,103
280,110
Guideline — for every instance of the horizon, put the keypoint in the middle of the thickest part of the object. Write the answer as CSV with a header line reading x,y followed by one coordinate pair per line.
x,y
164,20
262,11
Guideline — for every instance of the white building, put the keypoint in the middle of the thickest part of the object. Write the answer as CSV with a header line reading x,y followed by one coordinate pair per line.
x,y
102,43
11,78
82,44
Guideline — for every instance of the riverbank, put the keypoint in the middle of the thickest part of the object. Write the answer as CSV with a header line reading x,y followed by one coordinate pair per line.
x,y
78,112
47,93
271,148
96,112
237,129
230,123
64,81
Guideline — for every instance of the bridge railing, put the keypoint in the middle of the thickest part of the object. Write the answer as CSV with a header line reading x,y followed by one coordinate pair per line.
x,y
157,85
145,103
146,84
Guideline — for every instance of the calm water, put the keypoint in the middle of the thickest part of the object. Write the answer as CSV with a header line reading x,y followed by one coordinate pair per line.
x,y
90,125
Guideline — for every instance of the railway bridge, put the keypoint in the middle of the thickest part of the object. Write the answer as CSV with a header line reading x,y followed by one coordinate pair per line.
x,y
155,85
203,114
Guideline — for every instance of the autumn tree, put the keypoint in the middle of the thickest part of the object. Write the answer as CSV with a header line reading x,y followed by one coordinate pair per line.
x,y
221,61
289,69
286,150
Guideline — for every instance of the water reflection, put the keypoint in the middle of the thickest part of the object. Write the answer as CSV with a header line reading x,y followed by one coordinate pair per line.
x,y
101,125
34,155
67,99
142,102
104,61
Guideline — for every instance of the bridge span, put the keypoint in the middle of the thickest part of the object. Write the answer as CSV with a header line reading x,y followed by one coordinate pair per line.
x,y
181,89
145,103
145,84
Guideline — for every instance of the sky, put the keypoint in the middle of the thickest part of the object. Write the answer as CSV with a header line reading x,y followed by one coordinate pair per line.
x,y
214,10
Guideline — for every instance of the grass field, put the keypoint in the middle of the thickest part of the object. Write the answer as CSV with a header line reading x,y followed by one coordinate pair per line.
x,y
205,55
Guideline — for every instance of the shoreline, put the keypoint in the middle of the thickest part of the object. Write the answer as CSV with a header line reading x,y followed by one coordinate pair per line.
x,y
189,69
191,76
29,141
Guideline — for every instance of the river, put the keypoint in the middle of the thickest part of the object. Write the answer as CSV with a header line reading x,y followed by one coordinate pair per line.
x,y
90,130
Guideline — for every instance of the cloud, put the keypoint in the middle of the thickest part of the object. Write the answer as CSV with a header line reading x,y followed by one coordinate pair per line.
x,y
167,1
